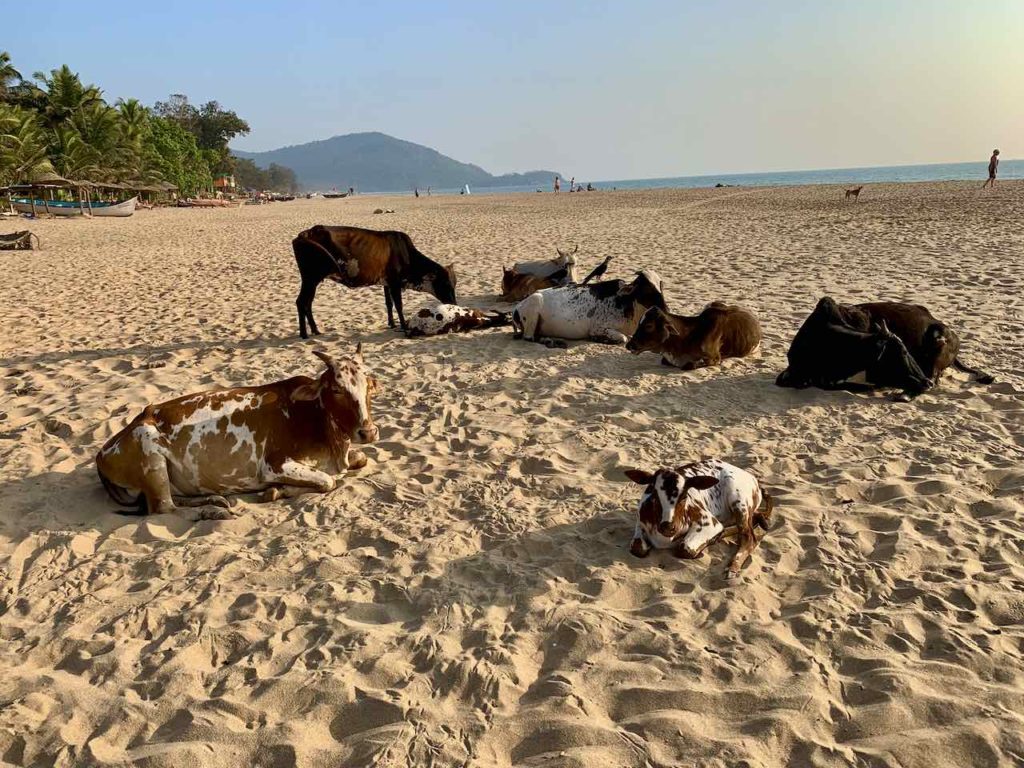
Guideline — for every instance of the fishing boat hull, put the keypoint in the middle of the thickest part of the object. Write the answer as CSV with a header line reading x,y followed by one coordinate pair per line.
x,y
74,208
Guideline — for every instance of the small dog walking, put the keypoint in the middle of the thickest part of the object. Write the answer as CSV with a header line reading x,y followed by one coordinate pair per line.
x,y
854,193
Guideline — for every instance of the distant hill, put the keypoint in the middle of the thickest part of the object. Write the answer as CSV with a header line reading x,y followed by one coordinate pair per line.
x,y
376,162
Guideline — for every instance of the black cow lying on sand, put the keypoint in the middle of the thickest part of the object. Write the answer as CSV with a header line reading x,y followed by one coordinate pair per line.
x,y
890,344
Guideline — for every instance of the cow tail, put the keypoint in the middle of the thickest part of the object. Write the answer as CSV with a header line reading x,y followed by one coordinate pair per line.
x,y
498,319
979,375
121,496
763,518
517,325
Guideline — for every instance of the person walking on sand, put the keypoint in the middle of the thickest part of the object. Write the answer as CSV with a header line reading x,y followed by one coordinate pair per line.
x,y
558,184
993,168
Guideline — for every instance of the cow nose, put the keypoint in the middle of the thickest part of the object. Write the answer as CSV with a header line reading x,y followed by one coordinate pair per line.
x,y
666,528
367,434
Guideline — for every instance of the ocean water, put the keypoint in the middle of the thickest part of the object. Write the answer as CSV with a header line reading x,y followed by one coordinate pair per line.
x,y
1008,169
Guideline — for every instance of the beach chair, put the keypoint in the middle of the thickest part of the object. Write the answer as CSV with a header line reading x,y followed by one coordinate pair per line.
x,y
19,241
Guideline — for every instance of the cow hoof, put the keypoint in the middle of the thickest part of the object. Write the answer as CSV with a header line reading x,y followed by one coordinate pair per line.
x,y
731,575
356,459
637,548
685,554
206,512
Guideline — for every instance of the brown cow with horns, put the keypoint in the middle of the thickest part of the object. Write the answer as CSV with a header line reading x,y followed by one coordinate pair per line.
x,y
288,437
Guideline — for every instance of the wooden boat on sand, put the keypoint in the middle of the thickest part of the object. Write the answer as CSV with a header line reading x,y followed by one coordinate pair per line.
x,y
74,208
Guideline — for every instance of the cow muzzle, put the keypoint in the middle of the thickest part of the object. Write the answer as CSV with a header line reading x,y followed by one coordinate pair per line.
x,y
368,433
667,529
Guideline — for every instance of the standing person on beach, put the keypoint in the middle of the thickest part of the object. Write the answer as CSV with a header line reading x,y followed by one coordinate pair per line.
x,y
993,168
558,184
572,183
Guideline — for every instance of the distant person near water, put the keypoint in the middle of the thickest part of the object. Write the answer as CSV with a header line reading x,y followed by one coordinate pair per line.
x,y
558,184
993,168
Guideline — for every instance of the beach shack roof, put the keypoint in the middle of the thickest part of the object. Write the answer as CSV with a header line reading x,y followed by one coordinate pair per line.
x,y
43,180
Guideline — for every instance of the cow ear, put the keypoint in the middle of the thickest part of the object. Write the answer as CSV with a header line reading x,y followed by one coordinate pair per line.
x,y
307,392
639,476
700,483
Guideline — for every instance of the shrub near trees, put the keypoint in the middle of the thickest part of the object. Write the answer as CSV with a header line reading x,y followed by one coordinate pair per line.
x,y
54,122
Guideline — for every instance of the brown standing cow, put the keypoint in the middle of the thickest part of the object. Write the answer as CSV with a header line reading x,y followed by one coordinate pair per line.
x,y
362,257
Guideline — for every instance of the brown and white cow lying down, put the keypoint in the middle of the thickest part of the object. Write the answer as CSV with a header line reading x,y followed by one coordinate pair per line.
x,y
688,508
438,319
521,280
719,331
288,437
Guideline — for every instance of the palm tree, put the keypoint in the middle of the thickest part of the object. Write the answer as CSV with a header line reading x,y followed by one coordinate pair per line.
x,y
65,95
23,146
8,74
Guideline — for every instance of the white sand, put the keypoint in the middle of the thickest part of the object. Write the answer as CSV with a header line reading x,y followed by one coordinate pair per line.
x,y
468,599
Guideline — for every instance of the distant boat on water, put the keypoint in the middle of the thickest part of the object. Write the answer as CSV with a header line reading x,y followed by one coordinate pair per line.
x,y
74,208
335,194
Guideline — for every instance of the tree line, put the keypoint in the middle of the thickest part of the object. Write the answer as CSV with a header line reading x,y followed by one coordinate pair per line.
x,y
53,122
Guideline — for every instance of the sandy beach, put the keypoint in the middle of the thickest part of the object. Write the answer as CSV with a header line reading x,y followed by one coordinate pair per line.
x,y
468,599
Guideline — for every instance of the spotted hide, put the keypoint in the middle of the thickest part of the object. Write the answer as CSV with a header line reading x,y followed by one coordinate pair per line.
x,y
688,508
607,311
438,319
288,437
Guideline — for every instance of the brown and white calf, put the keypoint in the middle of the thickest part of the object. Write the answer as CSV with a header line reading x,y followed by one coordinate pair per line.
x,y
288,437
438,319
719,331
688,508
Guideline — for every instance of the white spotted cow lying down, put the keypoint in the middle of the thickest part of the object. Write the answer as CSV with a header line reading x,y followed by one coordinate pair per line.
x,y
689,508
608,311
437,319
286,438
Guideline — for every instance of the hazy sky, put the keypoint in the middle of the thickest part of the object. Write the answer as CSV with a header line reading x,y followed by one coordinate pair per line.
x,y
596,90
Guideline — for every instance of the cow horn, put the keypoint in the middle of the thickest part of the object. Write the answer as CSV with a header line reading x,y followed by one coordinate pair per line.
x,y
359,350
328,360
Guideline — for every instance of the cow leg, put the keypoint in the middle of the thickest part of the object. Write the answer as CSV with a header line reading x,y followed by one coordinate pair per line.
x,y
387,304
297,475
214,500
748,541
304,303
156,483
608,336
701,536
639,547
396,297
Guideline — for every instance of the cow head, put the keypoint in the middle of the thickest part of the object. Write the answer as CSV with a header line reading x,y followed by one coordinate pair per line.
x,y
567,258
345,390
895,366
644,291
651,333
441,283
666,507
